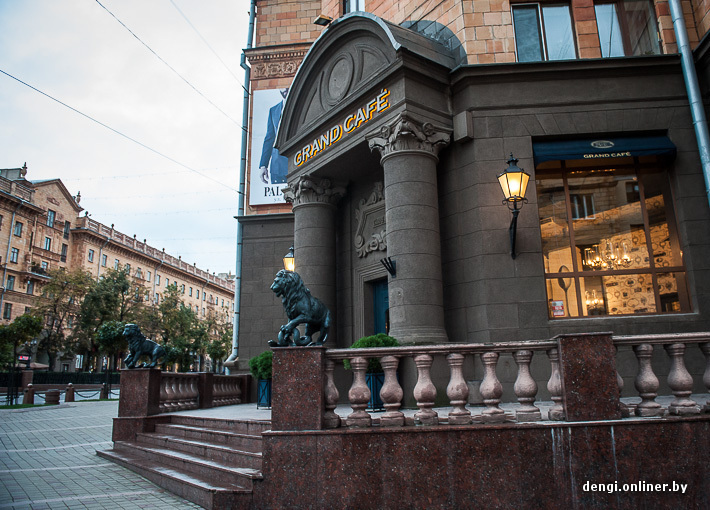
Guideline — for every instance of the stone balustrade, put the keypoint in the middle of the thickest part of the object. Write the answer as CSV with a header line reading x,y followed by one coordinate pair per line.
x,y
185,391
577,393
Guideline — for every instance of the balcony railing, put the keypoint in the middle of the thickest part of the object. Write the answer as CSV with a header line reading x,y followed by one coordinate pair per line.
x,y
525,388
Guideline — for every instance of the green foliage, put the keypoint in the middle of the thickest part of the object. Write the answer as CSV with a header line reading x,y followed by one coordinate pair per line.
x,y
261,365
20,331
110,337
179,327
61,300
378,340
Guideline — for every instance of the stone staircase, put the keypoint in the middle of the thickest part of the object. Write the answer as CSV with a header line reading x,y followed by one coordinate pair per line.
x,y
210,461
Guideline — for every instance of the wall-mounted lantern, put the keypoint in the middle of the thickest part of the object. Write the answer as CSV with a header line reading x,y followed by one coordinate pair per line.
x,y
289,260
514,183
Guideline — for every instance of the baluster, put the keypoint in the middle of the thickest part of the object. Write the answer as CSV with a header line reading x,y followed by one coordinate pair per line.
x,y
330,419
425,392
391,393
182,393
359,395
525,388
646,383
491,389
237,390
169,382
625,411
217,391
680,382
706,376
457,391
194,392
163,403
554,386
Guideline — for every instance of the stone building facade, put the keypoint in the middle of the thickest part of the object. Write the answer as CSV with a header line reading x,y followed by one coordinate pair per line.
x,y
41,229
397,124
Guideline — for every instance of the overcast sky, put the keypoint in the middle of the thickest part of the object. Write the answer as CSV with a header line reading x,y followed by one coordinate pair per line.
x,y
78,53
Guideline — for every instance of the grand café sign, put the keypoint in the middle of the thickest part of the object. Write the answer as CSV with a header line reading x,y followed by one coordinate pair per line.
x,y
351,123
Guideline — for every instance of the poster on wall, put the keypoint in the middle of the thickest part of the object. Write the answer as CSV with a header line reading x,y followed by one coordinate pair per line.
x,y
268,167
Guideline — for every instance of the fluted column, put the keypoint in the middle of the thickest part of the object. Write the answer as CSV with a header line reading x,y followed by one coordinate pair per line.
x,y
409,154
314,206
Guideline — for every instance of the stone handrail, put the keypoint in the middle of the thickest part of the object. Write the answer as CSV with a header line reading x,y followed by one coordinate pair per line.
x,y
679,380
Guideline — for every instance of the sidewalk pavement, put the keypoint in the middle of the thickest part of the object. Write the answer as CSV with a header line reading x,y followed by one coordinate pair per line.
x,y
48,461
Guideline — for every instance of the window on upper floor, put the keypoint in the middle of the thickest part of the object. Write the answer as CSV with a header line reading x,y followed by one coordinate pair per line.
x,y
7,312
51,216
353,6
91,255
30,287
10,284
63,256
45,266
190,291
115,264
147,276
18,229
543,32
127,268
67,226
157,279
139,273
14,255
0,221
627,28
48,243
104,259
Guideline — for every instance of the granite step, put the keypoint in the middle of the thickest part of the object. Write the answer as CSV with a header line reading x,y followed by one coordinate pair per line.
x,y
210,451
249,427
244,442
194,465
201,490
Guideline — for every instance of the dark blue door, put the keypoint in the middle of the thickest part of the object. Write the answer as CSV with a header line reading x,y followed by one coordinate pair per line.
x,y
381,302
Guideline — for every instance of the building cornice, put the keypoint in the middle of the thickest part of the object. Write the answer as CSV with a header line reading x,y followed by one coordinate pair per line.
x,y
276,61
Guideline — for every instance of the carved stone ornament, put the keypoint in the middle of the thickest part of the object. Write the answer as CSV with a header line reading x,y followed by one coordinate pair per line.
x,y
313,190
371,229
408,134
275,64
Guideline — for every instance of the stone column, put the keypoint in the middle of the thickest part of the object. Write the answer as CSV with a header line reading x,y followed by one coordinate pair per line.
x,y
409,151
314,205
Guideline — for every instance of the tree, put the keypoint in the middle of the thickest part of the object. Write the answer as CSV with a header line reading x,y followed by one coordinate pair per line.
x,y
115,297
110,339
219,343
59,304
178,324
20,331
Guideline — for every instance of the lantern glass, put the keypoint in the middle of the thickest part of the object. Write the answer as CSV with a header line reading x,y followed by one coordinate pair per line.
x,y
289,260
514,184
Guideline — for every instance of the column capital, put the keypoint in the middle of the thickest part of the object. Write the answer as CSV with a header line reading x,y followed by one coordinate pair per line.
x,y
405,134
313,190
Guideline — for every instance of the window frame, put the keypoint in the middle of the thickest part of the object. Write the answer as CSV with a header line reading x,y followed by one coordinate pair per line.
x,y
17,229
622,22
577,273
7,311
542,33
91,256
51,217
10,282
48,243
14,255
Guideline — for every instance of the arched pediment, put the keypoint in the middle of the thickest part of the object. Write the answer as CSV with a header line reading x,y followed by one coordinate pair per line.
x,y
348,58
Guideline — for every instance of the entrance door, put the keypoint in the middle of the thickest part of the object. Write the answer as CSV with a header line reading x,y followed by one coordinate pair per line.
x,y
380,301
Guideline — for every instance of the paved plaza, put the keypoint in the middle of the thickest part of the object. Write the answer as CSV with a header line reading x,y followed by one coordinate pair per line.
x,y
48,460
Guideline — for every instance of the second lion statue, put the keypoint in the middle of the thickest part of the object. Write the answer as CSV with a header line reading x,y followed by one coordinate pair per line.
x,y
300,308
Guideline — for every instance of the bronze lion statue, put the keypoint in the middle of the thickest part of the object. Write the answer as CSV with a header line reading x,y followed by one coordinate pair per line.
x,y
140,346
300,308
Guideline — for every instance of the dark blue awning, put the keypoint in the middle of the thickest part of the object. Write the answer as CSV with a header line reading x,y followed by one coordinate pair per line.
x,y
603,148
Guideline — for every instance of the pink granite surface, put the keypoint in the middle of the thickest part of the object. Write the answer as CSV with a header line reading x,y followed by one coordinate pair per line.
x,y
297,395
588,369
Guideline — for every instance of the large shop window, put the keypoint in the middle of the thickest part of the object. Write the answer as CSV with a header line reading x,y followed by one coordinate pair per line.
x,y
543,32
627,28
609,238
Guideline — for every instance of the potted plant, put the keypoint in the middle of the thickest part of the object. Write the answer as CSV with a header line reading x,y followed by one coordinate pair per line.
x,y
260,367
374,376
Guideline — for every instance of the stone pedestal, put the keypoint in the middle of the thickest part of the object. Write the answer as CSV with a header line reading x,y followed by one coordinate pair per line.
x,y
298,388
409,152
27,376
588,369
139,400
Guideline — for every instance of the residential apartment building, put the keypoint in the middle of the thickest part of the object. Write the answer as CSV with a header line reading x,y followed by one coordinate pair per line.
x,y
400,116
41,229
